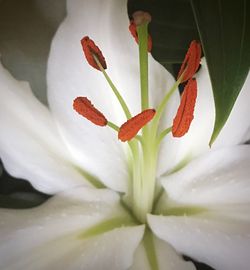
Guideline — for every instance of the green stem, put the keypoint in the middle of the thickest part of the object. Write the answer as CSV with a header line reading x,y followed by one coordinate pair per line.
x,y
142,31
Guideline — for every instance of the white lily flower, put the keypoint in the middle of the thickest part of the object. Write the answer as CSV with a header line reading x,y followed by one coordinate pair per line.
x,y
204,210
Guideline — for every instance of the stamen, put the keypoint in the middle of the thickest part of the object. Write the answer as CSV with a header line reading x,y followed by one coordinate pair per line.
x,y
191,61
90,50
140,18
130,128
185,113
85,108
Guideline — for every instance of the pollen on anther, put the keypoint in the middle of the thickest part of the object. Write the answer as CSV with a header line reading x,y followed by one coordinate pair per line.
x,y
90,50
130,128
85,108
185,113
191,61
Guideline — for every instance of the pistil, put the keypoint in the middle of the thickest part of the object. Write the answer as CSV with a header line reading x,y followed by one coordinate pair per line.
x,y
141,20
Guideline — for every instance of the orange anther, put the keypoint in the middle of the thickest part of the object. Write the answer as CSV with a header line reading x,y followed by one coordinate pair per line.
x,y
133,31
191,61
85,108
129,129
90,50
185,113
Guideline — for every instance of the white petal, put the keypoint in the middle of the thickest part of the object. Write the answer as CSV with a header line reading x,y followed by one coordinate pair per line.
x,y
220,177
98,149
196,141
50,237
166,256
30,146
221,243
218,184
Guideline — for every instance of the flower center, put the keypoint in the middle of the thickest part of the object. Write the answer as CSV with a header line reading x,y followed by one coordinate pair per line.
x,y
141,132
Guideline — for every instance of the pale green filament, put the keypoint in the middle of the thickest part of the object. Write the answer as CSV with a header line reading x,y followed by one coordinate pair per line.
x,y
113,126
160,109
162,135
114,89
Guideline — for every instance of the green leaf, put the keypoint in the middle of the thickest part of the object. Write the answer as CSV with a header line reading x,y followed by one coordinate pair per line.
x,y
224,29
